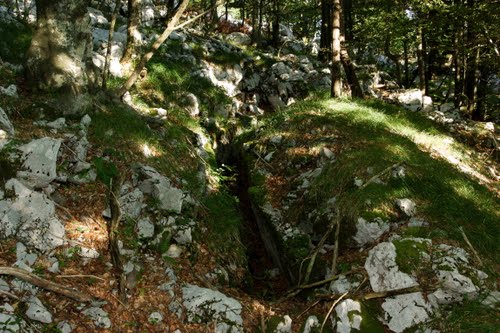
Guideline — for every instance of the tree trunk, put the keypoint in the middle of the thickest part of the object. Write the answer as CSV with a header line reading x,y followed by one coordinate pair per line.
x,y
276,23
458,64
479,113
350,72
425,62
60,54
145,58
349,69
336,89
406,83
394,58
134,13
421,63
105,73
471,63
325,43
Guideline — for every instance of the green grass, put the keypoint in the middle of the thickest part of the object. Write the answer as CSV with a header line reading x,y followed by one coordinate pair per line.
x,y
377,135
169,80
224,222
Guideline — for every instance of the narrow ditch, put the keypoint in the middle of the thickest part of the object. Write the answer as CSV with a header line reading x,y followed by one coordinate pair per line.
x,y
263,255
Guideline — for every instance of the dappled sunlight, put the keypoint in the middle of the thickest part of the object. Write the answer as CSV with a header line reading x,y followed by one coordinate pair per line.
x,y
149,151
427,139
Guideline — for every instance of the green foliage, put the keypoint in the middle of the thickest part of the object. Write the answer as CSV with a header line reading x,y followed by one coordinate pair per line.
x,y
469,316
15,41
106,170
377,135
169,80
409,254
224,222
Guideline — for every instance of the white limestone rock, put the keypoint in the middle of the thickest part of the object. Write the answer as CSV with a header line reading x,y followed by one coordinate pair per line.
x,y
184,236
37,311
342,285
405,311
311,323
204,305
348,316
31,216
88,253
411,99
5,123
131,204
368,232
145,228
174,251
383,271
9,323
11,91
39,159
155,317
239,38
284,326
59,123
4,286
65,327
170,198
97,17
406,206
98,316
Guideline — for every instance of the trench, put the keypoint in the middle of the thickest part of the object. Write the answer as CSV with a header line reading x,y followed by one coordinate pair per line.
x,y
263,254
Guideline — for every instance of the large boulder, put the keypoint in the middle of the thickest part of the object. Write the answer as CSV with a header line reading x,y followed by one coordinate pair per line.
x,y
405,311
159,187
39,158
6,128
31,217
383,270
206,305
239,38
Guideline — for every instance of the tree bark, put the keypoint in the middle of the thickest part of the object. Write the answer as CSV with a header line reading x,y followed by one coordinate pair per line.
x,y
145,58
276,23
479,113
60,53
394,58
336,89
421,63
471,62
325,43
105,74
134,12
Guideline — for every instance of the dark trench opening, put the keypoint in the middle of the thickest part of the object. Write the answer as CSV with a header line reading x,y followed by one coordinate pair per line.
x,y
267,278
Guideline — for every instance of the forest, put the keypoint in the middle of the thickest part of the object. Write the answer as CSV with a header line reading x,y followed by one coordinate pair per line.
x,y
271,166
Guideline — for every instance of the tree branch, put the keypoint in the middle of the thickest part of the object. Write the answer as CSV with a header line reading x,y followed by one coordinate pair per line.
x,y
45,284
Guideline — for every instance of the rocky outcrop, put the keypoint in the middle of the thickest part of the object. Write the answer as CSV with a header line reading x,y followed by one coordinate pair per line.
x,y
31,217
205,305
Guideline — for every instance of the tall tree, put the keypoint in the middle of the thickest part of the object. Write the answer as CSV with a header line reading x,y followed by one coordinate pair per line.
x,y
133,34
325,42
336,89
59,56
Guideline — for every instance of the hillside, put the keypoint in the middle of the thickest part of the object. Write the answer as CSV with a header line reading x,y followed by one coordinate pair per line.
x,y
227,192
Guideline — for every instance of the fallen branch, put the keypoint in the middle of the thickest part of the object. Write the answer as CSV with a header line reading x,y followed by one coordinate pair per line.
x,y
336,244
45,284
298,289
6,293
80,276
371,180
114,249
331,309
471,247
396,292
